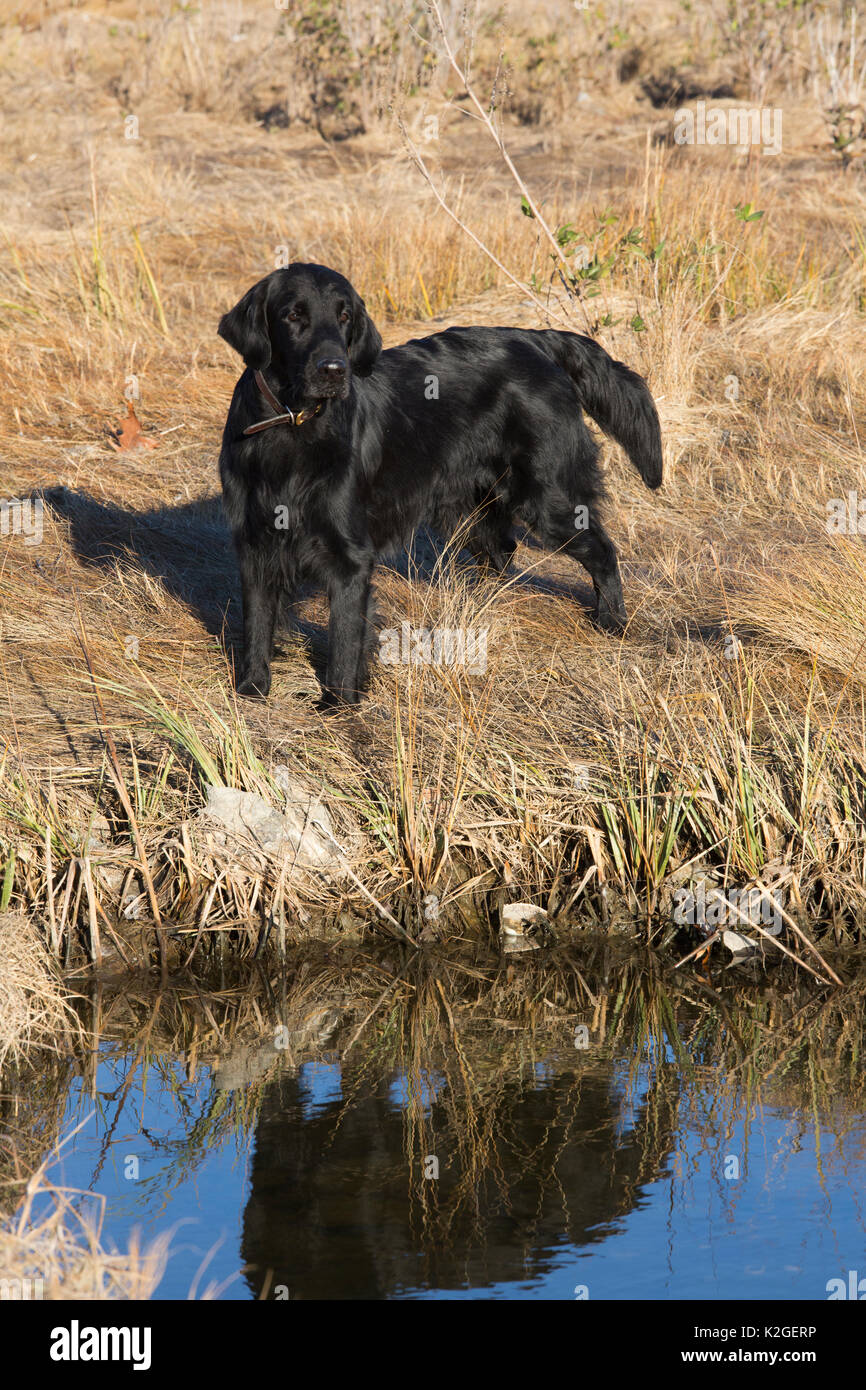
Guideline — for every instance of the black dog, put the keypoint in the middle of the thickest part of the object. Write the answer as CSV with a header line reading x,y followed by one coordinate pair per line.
x,y
334,454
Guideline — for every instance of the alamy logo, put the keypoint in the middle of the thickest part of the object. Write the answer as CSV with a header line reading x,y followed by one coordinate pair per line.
x,y
22,516
15,1290
846,516
854,1290
438,646
77,1343
739,125
746,906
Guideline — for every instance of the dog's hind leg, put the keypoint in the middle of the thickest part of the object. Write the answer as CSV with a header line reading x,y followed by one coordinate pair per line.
x,y
595,550
491,544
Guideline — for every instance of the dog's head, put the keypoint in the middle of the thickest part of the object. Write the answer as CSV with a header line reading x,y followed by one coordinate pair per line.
x,y
310,325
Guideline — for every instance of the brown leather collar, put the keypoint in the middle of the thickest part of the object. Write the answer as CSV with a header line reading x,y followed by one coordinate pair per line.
x,y
283,416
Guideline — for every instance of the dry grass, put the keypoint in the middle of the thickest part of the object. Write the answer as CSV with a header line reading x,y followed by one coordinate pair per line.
x,y
117,258
34,1012
53,1249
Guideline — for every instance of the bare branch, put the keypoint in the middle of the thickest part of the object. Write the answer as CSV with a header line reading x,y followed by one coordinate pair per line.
x,y
418,160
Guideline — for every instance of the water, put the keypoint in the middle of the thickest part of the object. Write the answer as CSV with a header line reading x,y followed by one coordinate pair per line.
x,y
693,1149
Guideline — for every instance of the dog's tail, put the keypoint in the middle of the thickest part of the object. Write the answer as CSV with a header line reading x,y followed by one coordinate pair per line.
x,y
616,397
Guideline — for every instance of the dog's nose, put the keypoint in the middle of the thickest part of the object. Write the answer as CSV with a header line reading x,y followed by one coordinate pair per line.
x,y
332,366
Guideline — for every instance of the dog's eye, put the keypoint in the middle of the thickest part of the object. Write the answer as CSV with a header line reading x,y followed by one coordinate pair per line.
x,y
344,317
293,316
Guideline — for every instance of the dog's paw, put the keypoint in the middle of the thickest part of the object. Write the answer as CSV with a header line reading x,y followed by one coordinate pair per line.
x,y
609,620
333,702
255,687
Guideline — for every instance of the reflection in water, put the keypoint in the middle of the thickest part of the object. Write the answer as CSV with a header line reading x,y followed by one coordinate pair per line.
x,y
567,1127
335,1210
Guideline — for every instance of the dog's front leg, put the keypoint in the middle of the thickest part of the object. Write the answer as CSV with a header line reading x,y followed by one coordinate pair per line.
x,y
346,633
261,594
369,640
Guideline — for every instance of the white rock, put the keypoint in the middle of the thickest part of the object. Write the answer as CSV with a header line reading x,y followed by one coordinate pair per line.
x,y
521,914
741,946
303,831
520,926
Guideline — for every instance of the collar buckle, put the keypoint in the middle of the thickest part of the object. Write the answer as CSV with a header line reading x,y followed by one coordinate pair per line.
x,y
282,416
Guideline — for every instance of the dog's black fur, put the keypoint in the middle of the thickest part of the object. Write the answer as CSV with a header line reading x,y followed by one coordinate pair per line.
x,y
473,422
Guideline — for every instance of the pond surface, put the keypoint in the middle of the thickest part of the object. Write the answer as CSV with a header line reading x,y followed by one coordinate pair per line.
x,y
660,1145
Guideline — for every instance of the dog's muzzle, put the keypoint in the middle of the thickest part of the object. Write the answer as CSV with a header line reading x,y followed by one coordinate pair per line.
x,y
329,377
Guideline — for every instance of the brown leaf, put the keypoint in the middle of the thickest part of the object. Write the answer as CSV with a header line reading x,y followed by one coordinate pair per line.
x,y
130,435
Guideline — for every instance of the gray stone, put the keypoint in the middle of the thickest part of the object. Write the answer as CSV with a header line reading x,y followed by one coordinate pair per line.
x,y
303,831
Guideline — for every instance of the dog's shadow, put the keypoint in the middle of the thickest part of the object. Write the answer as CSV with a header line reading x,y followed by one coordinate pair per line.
x,y
186,547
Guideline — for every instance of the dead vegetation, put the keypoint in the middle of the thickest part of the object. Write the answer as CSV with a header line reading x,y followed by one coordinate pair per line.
x,y
53,1250
726,729
34,1008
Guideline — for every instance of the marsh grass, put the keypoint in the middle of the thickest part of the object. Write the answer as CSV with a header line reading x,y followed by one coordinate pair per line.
x,y
34,1005
724,731
52,1247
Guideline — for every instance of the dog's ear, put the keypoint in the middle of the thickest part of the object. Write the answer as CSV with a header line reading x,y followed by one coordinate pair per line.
x,y
245,327
366,343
